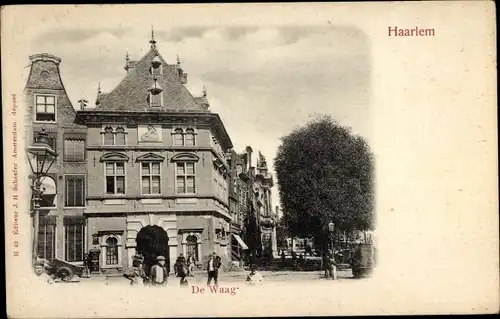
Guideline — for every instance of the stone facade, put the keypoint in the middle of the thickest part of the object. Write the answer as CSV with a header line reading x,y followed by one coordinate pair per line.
x,y
62,224
147,153
158,164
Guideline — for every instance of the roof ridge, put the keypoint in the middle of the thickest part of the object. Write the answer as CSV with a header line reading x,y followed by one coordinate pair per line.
x,y
131,91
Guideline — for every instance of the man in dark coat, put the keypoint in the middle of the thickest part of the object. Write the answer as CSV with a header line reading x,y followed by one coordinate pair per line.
x,y
181,270
213,268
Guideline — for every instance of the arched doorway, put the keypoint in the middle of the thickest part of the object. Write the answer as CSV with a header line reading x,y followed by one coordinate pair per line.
x,y
152,241
192,246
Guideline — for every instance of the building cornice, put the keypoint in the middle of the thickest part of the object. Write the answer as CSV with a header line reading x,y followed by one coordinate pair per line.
x,y
167,197
86,117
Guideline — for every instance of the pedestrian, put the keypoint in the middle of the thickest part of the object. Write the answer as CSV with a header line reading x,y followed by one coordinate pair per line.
x,y
332,268
213,269
283,257
41,271
254,278
191,262
159,273
181,270
136,273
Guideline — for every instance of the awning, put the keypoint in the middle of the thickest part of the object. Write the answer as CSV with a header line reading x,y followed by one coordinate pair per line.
x,y
240,241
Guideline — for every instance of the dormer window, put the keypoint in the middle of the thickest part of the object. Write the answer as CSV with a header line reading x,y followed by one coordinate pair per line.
x,y
156,67
156,100
155,94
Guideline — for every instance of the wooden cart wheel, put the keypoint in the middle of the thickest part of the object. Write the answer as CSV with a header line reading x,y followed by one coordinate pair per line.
x,y
65,273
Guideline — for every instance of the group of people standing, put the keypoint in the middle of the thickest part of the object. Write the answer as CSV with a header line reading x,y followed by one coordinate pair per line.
x,y
183,268
158,274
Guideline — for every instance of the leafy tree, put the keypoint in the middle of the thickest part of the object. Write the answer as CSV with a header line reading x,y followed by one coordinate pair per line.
x,y
281,233
325,173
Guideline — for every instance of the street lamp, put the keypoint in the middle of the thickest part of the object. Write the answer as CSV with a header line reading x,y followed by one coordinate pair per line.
x,y
331,228
40,157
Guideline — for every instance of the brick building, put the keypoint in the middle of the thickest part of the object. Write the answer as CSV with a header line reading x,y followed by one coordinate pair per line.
x,y
156,155
62,223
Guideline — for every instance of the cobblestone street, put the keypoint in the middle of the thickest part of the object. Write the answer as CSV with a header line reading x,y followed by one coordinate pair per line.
x,y
231,277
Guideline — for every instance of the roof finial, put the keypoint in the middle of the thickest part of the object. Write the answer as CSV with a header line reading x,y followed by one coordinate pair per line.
x,y
152,41
204,91
178,59
126,56
99,88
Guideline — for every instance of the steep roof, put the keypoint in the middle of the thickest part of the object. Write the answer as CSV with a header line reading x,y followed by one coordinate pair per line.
x,y
131,94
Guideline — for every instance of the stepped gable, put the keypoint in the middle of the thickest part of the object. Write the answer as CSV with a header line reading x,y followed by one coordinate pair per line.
x,y
132,94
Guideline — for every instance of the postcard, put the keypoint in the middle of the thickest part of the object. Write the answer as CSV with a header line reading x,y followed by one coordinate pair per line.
x,y
235,160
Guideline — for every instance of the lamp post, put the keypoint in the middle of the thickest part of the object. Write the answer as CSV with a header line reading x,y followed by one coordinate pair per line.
x,y
331,227
40,157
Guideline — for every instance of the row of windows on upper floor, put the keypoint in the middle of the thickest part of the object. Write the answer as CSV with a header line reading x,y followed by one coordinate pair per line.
x,y
118,136
74,146
115,183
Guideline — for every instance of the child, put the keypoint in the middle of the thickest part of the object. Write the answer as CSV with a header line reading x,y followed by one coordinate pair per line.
x,y
254,278
135,273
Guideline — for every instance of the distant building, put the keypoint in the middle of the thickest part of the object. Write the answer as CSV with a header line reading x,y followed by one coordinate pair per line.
x,y
263,184
62,223
156,156
299,244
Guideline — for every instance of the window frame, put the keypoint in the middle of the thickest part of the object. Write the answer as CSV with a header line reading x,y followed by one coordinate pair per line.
x,y
80,177
107,252
151,100
183,132
35,109
65,243
114,128
52,224
55,201
72,138
114,163
151,175
185,177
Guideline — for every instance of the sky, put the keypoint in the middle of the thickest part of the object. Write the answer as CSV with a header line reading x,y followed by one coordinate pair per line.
x,y
262,80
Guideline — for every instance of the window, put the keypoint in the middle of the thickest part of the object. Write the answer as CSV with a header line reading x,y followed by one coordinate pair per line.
x,y
112,251
115,178
109,138
45,108
49,195
185,178
46,237
156,69
120,136
114,137
178,137
156,99
74,149
74,191
74,238
189,137
192,246
150,173
184,138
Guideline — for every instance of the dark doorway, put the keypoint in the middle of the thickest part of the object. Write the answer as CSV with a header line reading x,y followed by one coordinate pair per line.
x,y
152,241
